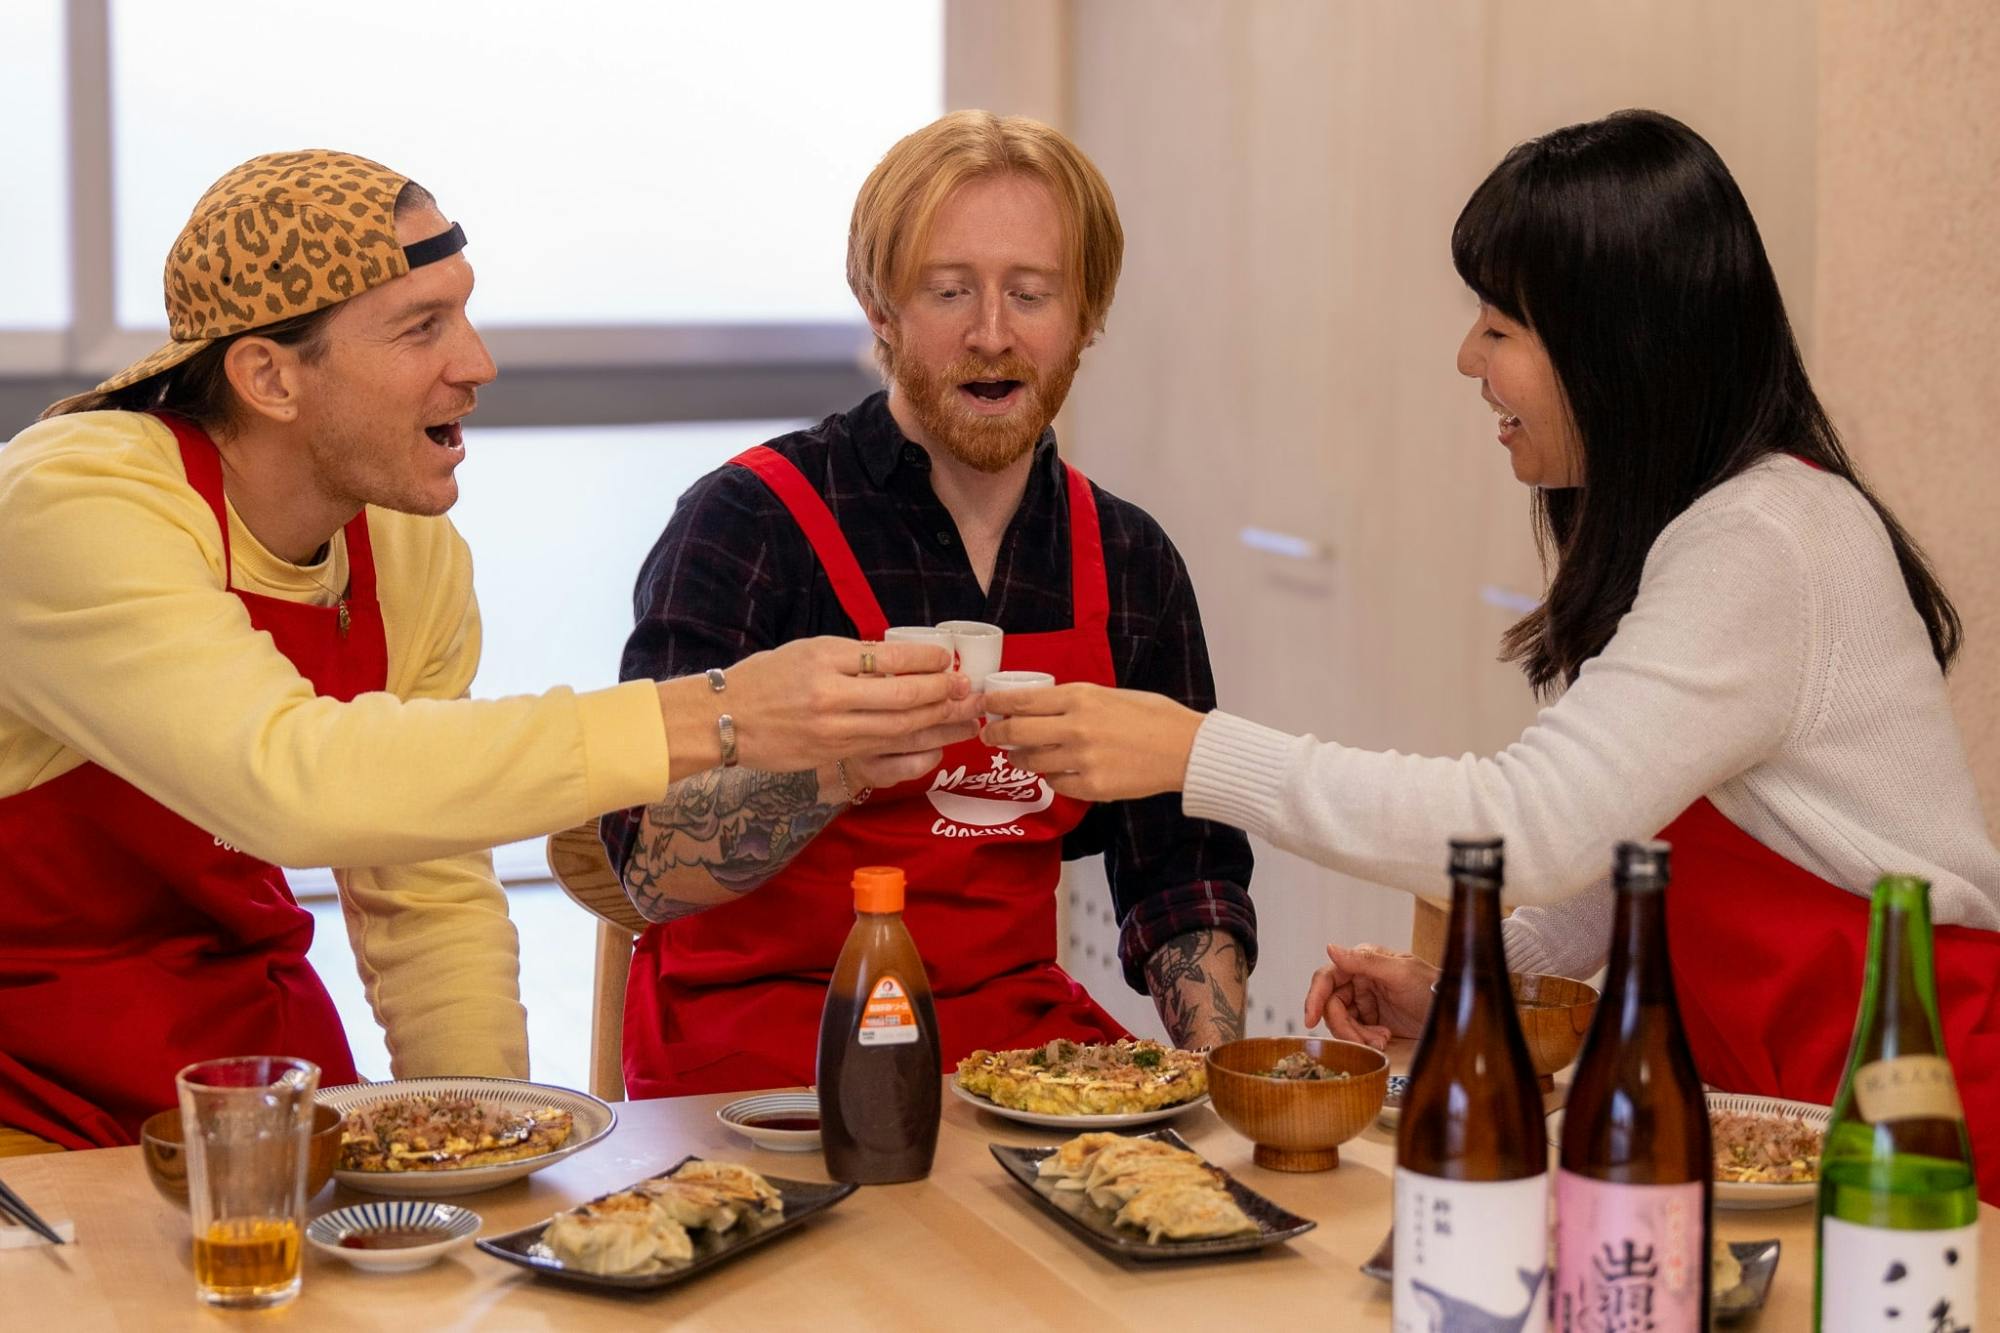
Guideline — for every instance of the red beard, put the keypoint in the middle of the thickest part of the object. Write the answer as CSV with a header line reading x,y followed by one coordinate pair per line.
x,y
988,444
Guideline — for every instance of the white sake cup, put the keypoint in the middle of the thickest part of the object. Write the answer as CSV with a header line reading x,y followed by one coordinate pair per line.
x,y
978,645
1014,680
920,634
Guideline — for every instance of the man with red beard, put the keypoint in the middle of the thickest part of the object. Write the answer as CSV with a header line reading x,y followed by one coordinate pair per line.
x,y
984,252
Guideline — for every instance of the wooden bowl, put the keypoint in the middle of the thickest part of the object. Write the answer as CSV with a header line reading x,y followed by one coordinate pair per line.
x,y
166,1160
1296,1124
1555,1013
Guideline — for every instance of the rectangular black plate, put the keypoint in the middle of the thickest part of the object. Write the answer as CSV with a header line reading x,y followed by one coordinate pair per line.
x,y
1094,1224
1759,1259
802,1199
1760,1264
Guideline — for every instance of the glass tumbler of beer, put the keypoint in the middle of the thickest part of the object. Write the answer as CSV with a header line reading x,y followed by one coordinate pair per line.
x,y
246,1122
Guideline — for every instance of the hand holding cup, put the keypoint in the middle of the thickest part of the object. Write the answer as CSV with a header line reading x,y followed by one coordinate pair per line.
x,y
1012,680
812,701
1095,743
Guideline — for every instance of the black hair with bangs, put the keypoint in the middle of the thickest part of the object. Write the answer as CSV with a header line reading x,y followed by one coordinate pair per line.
x,y
1626,246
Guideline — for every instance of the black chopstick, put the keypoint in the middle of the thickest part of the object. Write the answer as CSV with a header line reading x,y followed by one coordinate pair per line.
x,y
11,1204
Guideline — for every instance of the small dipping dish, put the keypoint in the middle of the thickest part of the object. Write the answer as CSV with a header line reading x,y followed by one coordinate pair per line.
x,y
393,1237
780,1121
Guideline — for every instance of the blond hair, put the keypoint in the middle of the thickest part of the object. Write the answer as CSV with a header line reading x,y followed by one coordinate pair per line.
x,y
900,200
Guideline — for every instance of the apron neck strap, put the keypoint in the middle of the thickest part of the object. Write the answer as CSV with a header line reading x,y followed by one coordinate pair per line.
x,y
202,462
1089,587
1090,595
822,530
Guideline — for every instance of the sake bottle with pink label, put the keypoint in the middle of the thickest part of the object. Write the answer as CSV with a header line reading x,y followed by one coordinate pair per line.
x,y
1633,1186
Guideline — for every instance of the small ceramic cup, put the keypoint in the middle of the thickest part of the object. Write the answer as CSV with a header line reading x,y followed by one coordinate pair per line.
x,y
978,645
1014,680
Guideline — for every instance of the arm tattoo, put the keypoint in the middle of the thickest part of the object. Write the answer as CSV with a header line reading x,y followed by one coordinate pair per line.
x,y
1198,982
739,825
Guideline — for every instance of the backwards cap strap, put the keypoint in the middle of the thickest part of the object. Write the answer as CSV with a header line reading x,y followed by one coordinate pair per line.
x,y
433,248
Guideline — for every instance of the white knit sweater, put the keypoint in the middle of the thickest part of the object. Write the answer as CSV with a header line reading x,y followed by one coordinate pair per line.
x,y
1771,661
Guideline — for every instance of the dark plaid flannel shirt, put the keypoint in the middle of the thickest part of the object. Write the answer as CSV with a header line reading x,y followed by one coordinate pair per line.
x,y
733,574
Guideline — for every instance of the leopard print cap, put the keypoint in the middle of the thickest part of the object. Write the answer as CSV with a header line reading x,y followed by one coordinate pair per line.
x,y
283,234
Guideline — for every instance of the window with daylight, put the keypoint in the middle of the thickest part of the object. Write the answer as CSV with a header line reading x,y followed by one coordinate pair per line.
x,y
34,220
647,163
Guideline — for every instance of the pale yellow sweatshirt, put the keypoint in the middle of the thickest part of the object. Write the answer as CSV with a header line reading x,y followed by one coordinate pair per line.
x,y
120,645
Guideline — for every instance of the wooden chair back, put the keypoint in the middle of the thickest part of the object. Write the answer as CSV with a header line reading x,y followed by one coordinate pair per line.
x,y
585,874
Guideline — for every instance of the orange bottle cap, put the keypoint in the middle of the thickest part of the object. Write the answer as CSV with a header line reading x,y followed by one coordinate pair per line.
x,y
878,889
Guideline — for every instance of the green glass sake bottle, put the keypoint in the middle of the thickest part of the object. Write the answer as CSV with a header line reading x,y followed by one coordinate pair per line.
x,y
1898,1203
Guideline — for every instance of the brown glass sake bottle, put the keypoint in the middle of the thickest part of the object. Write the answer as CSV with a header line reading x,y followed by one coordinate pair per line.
x,y
1635,1185
1471,1184
878,1045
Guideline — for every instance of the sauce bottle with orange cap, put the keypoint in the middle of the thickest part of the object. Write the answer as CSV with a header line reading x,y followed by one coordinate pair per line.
x,y
878,1045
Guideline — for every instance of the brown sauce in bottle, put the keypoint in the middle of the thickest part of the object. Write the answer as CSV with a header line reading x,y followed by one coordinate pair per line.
x,y
878,1046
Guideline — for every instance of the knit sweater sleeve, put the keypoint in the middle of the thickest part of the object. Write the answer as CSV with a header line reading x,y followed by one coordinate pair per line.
x,y
1702,679
124,644
1565,939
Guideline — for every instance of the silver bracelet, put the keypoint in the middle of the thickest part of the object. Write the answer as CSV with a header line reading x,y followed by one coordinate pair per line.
x,y
725,728
715,680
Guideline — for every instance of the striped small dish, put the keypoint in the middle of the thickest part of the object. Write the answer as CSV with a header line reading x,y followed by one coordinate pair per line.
x,y
329,1230
746,1117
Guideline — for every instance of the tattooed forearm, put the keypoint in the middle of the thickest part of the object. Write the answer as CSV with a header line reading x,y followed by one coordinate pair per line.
x,y
1198,981
719,834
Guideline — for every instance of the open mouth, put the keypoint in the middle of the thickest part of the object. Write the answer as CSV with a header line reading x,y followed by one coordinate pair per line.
x,y
446,433
990,390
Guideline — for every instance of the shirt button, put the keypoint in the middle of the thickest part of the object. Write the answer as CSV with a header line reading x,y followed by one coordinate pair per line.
x,y
911,453
944,538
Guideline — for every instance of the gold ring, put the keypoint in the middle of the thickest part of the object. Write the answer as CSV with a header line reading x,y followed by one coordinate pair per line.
x,y
867,662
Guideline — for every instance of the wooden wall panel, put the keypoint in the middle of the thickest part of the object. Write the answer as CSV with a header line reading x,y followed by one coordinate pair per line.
x,y
1909,283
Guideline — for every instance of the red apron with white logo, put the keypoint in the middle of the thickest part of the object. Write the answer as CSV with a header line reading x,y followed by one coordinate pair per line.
x,y
1768,965
729,999
136,943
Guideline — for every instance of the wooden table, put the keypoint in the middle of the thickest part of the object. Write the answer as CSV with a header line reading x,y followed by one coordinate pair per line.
x,y
965,1246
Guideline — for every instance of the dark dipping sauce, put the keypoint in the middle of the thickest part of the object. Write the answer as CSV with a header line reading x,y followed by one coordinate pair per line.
x,y
393,1238
785,1122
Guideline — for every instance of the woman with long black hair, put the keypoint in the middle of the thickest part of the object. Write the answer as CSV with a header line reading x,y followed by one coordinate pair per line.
x,y
1743,649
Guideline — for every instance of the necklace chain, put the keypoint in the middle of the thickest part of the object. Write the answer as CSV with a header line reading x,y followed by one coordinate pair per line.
x,y
341,617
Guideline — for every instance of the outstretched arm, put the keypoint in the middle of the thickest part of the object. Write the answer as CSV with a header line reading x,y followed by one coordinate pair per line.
x,y
722,833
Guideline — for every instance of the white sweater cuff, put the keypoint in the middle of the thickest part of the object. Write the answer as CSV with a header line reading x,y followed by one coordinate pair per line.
x,y
1525,949
1236,772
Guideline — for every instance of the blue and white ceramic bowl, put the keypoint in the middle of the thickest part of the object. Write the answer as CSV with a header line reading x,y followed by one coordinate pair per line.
x,y
394,1236
1392,1102
762,1120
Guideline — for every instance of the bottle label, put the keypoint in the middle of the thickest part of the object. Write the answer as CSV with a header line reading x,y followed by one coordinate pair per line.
x,y
1874,1278
888,1019
1471,1254
1909,1087
1628,1256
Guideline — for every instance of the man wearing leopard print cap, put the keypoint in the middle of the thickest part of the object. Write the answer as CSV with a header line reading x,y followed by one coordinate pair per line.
x,y
238,631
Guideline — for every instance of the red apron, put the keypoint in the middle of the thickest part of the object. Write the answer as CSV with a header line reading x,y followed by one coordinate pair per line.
x,y
1768,964
729,999
137,943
